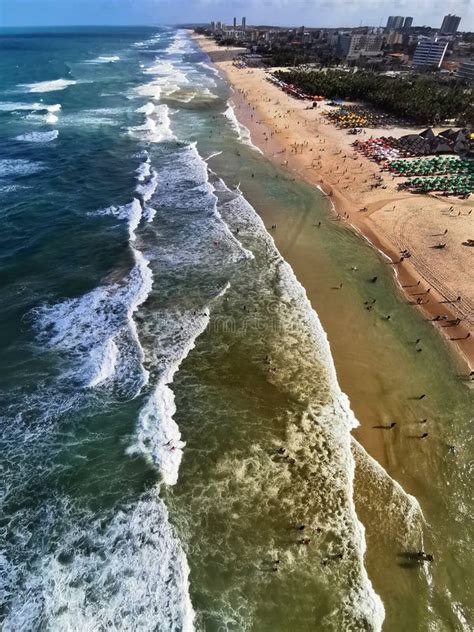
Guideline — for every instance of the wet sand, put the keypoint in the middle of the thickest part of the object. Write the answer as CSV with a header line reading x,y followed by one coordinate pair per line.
x,y
302,141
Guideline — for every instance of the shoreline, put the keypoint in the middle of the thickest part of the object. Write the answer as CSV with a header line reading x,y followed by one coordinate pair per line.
x,y
265,113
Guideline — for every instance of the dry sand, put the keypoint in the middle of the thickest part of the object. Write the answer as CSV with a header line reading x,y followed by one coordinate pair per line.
x,y
303,141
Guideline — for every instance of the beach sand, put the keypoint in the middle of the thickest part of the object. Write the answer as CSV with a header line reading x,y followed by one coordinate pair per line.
x,y
304,142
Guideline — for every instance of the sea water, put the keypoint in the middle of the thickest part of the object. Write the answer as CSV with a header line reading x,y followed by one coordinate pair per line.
x,y
171,414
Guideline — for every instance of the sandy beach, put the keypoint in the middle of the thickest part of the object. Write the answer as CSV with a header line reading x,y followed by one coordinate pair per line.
x,y
303,141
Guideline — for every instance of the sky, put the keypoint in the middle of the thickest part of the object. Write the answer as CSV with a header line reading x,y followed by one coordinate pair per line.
x,y
312,13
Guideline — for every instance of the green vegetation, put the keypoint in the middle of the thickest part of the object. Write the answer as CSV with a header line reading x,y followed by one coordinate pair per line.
x,y
423,99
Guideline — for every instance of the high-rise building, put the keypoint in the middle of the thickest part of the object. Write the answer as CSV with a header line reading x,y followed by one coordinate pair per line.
x,y
213,26
235,23
407,23
342,42
244,24
361,45
450,24
394,38
466,70
395,22
429,53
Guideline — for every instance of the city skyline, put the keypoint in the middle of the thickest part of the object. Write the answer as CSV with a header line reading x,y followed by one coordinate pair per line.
x,y
326,13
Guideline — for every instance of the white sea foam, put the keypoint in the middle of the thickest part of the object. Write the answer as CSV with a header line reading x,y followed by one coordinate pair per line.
x,y
19,167
147,188
210,67
29,107
180,45
105,361
149,213
12,188
242,132
54,108
143,170
96,332
51,118
47,86
151,90
147,109
304,352
131,212
103,59
158,437
38,137
122,569
95,117
157,125
167,79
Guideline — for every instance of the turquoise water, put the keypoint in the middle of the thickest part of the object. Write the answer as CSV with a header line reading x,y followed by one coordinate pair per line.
x,y
170,408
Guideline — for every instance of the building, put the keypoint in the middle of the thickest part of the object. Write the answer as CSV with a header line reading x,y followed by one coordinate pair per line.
x,y
341,43
235,23
364,46
244,24
213,26
394,38
395,22
466,70
407,24
450,24
429,53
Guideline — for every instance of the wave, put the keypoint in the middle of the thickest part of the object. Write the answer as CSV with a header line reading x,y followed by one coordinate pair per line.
x,y
157,125
180,45
96,334
29,107
243,132
12,188
143,170
93,118
47,86
147,188
10,167
147,109
149,213
210,67
38,137
174,332
189,95
158,437
306,373
121,569
131,212
167,79
103,59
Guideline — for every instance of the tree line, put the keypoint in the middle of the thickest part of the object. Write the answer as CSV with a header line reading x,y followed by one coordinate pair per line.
x,y
422,99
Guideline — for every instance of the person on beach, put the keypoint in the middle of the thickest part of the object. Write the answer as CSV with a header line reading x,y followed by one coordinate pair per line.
x,y
392,425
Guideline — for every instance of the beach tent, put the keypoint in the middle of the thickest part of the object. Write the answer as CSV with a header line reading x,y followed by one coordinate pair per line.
x,y
460,137
461,147
428,134
448,134
441,147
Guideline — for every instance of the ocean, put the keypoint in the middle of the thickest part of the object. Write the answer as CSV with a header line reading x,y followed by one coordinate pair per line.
x,y
177,453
